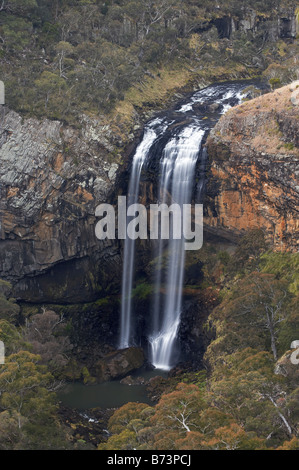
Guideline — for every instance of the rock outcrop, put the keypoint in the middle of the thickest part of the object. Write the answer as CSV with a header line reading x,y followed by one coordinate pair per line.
x,y
119,363
52,177
281,25
253,175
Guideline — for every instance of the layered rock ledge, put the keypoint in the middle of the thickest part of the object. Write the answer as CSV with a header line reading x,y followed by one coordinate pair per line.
x,y
254,169
52,177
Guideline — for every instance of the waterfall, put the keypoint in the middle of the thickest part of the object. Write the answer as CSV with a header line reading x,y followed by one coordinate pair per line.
x,y
180,137
177,177
126,328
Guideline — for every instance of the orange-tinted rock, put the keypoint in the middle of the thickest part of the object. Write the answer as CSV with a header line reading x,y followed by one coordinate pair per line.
x,y
52,177
254,174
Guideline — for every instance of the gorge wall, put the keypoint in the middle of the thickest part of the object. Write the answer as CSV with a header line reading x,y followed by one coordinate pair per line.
x,y
254,178
52,177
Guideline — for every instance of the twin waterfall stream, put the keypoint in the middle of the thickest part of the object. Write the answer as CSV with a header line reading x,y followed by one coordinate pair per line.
x,y
179,140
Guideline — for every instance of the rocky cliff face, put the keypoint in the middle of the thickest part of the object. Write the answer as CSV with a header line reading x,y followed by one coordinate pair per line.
x,y
254,178
281,25
52,178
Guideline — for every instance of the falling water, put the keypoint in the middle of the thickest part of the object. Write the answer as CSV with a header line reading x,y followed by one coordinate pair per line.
x,y
177,178
178,162
126,329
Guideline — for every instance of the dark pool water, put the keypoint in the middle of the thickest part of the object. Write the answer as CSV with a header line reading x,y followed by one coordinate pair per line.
x,y
106,395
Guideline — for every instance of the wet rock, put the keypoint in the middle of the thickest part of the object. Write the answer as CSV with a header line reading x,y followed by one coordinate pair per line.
x,y
129,380
118,364
205,107
87,429
193,334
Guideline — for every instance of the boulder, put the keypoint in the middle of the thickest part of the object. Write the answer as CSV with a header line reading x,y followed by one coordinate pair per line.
x,y
129,380
118,364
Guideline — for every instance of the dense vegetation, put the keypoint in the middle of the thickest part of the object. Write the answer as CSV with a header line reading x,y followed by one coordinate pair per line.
x,y
62,58
245,397
35,355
